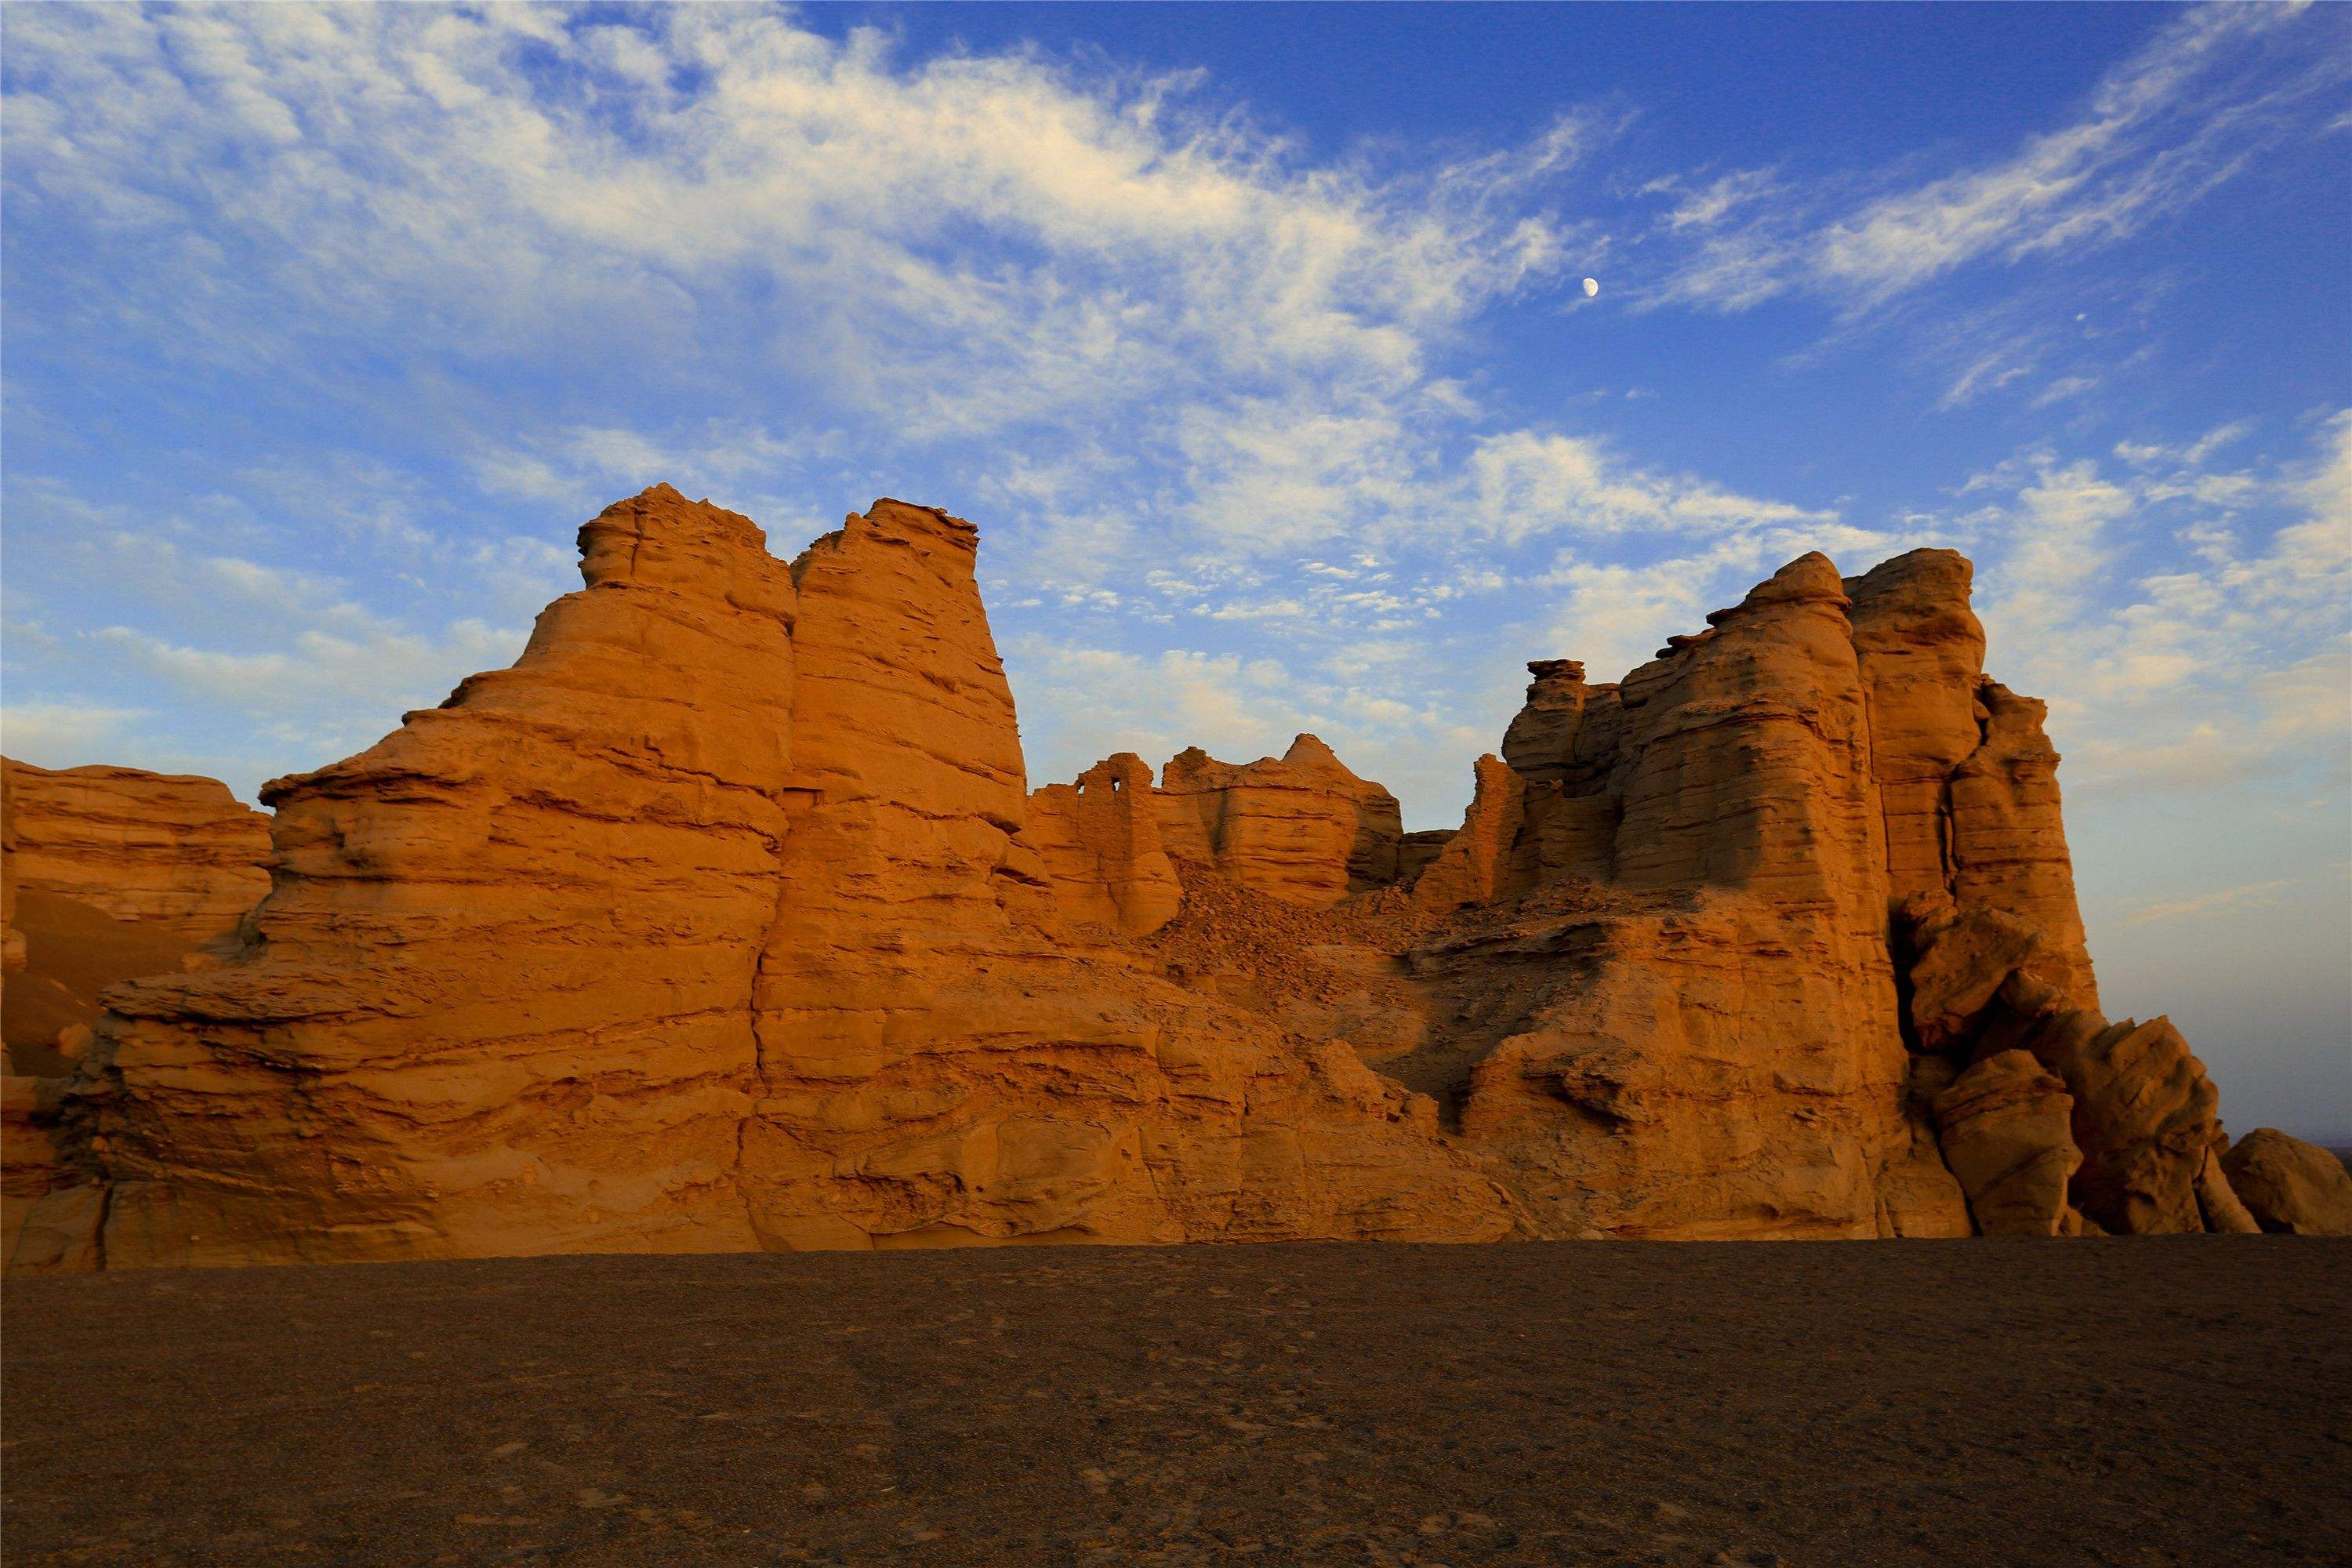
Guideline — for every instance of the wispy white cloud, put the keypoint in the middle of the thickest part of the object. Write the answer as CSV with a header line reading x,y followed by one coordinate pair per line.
x,y
2064,387
1708,205
1523,482
515,175
1136,330
1140,333
64,734
2190,111
2204,904
288,665
2229,657
320,681
1389,718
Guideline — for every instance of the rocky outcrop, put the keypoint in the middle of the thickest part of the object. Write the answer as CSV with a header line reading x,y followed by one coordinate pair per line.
x,y
40,1173
1479,864
1540,744
937,1068
725,919
1967,780
1987,920
1958,965
2005,1135
108,874
1099,840
497,1000
1416,852
708,926
1300,827
1863,833
2289,1185
1922,654
2145,1117
2217,1202
2008,841
12,941
1918,1196
1644,1075
168,851
1681,1020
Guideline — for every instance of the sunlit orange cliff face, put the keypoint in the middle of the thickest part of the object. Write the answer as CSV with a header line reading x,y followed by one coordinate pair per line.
x,y
725,920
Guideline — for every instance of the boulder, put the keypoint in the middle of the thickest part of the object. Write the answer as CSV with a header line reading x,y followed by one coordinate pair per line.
x,y
2005,1131
2146,1116
1959,962
2289,1185
1919,1196
2224,1213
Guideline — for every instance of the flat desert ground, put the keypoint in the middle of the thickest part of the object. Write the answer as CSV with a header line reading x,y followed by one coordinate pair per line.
x,y
2177,1401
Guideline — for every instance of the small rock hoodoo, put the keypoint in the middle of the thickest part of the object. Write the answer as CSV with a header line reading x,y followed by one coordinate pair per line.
x,y
725,919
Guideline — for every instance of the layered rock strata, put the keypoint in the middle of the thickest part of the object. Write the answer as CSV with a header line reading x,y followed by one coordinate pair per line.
x,y
1680,1018
725,919
1778,936
106,874
1099,841
1300,827
172,851
708,925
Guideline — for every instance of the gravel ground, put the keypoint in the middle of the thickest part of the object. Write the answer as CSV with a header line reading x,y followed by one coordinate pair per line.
x,y
2183,1401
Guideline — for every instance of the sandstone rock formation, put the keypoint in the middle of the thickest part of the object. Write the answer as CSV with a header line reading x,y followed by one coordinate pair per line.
x,y
1300,827
2148,1120
1681,1020
725,919
708,926
2005,1135
2290,1186
1099,840
12,941
1724,898
1967,781
2218,1203
108,874
167,850
936,1067
1479,864
1417,851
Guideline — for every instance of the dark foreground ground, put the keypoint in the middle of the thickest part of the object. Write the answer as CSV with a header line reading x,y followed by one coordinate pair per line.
x,y
2174,1402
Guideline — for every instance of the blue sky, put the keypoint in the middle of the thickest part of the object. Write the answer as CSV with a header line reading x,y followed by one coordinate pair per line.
x,y
1256,341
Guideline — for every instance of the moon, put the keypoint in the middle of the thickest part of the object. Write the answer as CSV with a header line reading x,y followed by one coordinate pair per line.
x,y
1591,287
